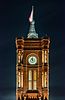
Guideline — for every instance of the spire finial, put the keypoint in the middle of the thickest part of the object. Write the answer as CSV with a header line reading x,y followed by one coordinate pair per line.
x,y
31,15
32,33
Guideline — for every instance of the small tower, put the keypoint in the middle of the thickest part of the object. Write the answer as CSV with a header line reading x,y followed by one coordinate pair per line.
x,y
32,65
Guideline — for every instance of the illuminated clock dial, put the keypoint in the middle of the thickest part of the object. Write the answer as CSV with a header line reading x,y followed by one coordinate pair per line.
x,y
32,60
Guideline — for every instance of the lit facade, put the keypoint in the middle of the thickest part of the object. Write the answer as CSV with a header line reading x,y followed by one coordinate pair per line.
x,y
32,66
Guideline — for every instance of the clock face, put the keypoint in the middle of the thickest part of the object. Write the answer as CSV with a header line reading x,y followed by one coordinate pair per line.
x,y
32,60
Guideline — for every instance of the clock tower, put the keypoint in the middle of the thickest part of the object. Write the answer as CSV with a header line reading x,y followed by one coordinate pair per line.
x,y
32,65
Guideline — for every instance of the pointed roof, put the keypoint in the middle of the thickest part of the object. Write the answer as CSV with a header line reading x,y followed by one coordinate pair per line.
x,y
32,33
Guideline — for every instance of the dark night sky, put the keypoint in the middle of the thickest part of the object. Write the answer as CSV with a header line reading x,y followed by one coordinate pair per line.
x,y
49,18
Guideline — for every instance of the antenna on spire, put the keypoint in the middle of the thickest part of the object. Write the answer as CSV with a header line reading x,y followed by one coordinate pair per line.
x,y
31,15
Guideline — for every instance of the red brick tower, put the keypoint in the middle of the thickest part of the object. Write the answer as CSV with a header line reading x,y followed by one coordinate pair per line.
x,y
32,66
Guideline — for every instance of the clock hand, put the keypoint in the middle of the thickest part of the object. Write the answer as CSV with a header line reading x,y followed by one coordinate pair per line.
x,y
32,59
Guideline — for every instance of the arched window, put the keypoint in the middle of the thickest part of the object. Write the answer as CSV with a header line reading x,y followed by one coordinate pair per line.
x,y
19,56
42,56
34,80
45,56
22,79
45,75
46,59
19,79
30,79
16,79
42,79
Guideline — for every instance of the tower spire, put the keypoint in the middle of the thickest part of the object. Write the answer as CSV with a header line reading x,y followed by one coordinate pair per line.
x,y
32,33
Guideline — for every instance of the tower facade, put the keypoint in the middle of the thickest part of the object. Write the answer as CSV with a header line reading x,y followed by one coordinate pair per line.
x,y
32,66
